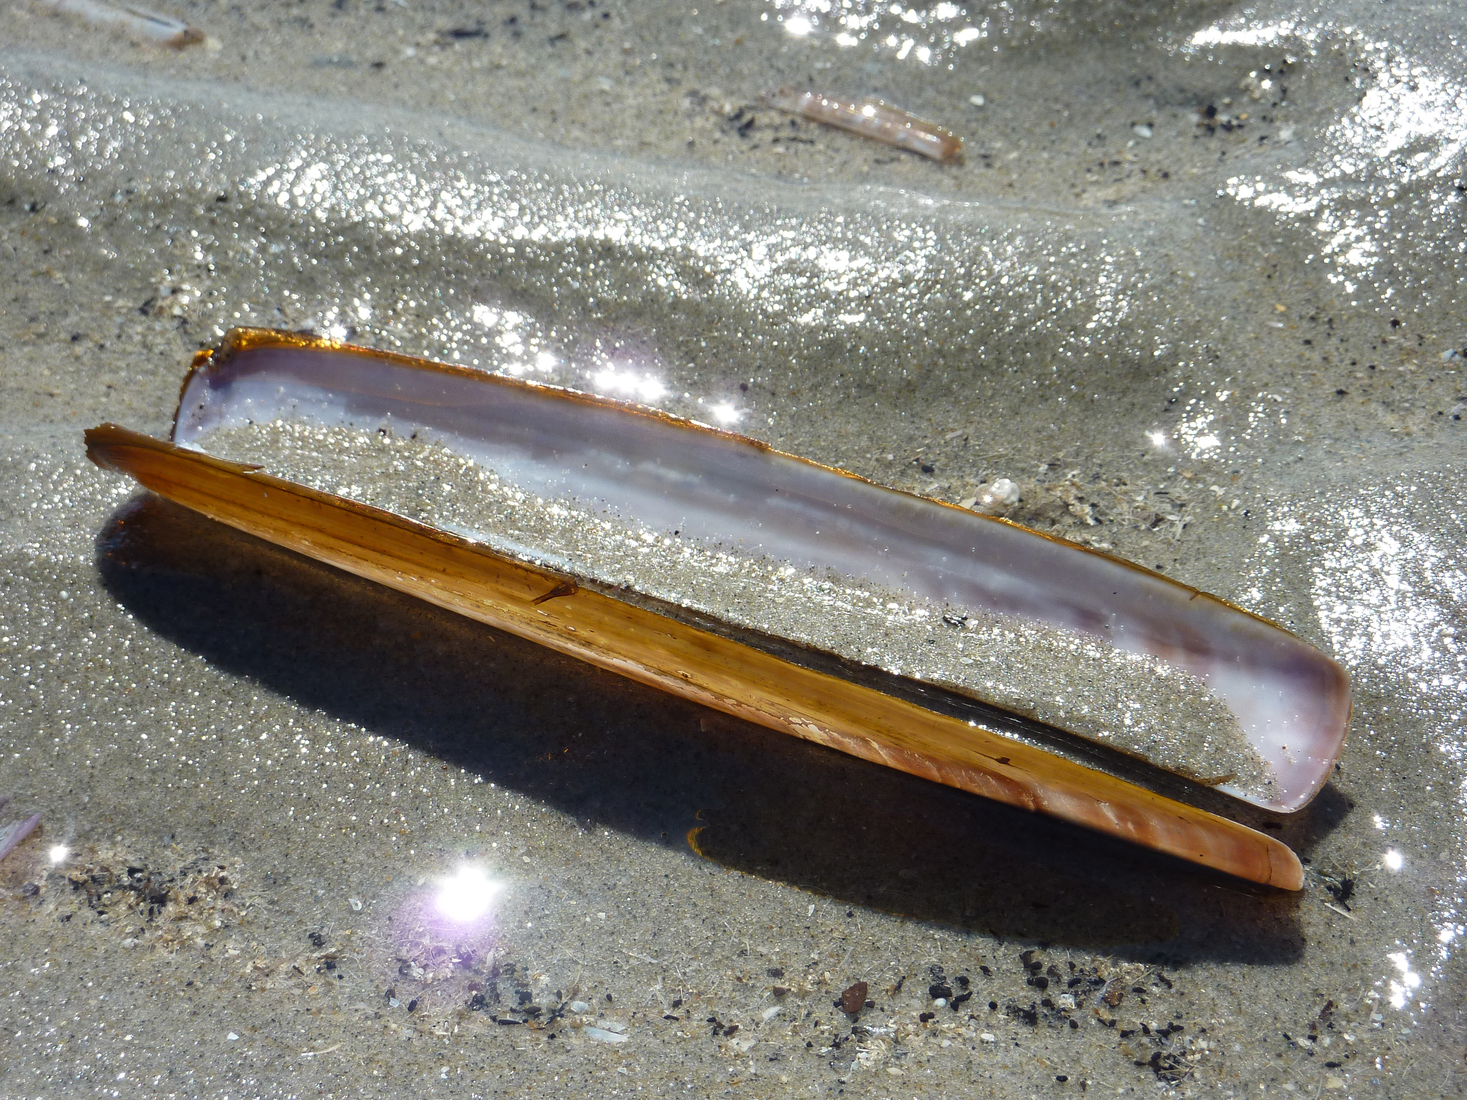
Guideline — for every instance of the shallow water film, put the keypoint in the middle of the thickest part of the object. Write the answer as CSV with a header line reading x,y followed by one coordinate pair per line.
x,y
1193,297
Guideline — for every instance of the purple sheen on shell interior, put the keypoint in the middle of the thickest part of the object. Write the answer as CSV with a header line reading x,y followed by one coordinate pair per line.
x,y
652,471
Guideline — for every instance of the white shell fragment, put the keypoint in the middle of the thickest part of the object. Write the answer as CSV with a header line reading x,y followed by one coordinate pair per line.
x,y
1002,492
11,835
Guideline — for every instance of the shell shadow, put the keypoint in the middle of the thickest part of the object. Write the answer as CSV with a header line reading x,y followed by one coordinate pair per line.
x,y
618,755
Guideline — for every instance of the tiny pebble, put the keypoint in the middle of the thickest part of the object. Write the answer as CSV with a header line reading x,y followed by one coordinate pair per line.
x,y
771,1013
1141,129
232,1037
977,100
1002,491
987,1037
852,1000
941,1002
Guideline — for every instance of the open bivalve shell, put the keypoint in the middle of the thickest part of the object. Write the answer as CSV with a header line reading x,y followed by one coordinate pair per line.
x,y
951,645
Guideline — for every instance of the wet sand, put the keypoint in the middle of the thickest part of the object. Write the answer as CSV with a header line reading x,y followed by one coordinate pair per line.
x,y
1220,345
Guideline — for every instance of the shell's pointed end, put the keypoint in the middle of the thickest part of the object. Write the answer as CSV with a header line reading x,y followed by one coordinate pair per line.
x,y
189,36
1285,870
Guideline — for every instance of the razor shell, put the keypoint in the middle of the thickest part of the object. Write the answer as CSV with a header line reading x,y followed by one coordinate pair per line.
x,y
798,596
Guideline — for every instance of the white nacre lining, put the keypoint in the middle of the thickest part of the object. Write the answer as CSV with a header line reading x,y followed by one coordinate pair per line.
x,y
769,542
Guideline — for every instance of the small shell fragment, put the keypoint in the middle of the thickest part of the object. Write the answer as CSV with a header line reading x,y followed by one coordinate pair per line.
x,y
136,22
874,119
11,835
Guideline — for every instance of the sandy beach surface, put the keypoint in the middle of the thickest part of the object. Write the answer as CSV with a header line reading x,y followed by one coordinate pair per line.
x,y
1197,289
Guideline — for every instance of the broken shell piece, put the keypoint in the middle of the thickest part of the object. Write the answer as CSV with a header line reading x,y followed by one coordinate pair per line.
x,y
1003,491
11,835
998,498
788,593
874,119
139,23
